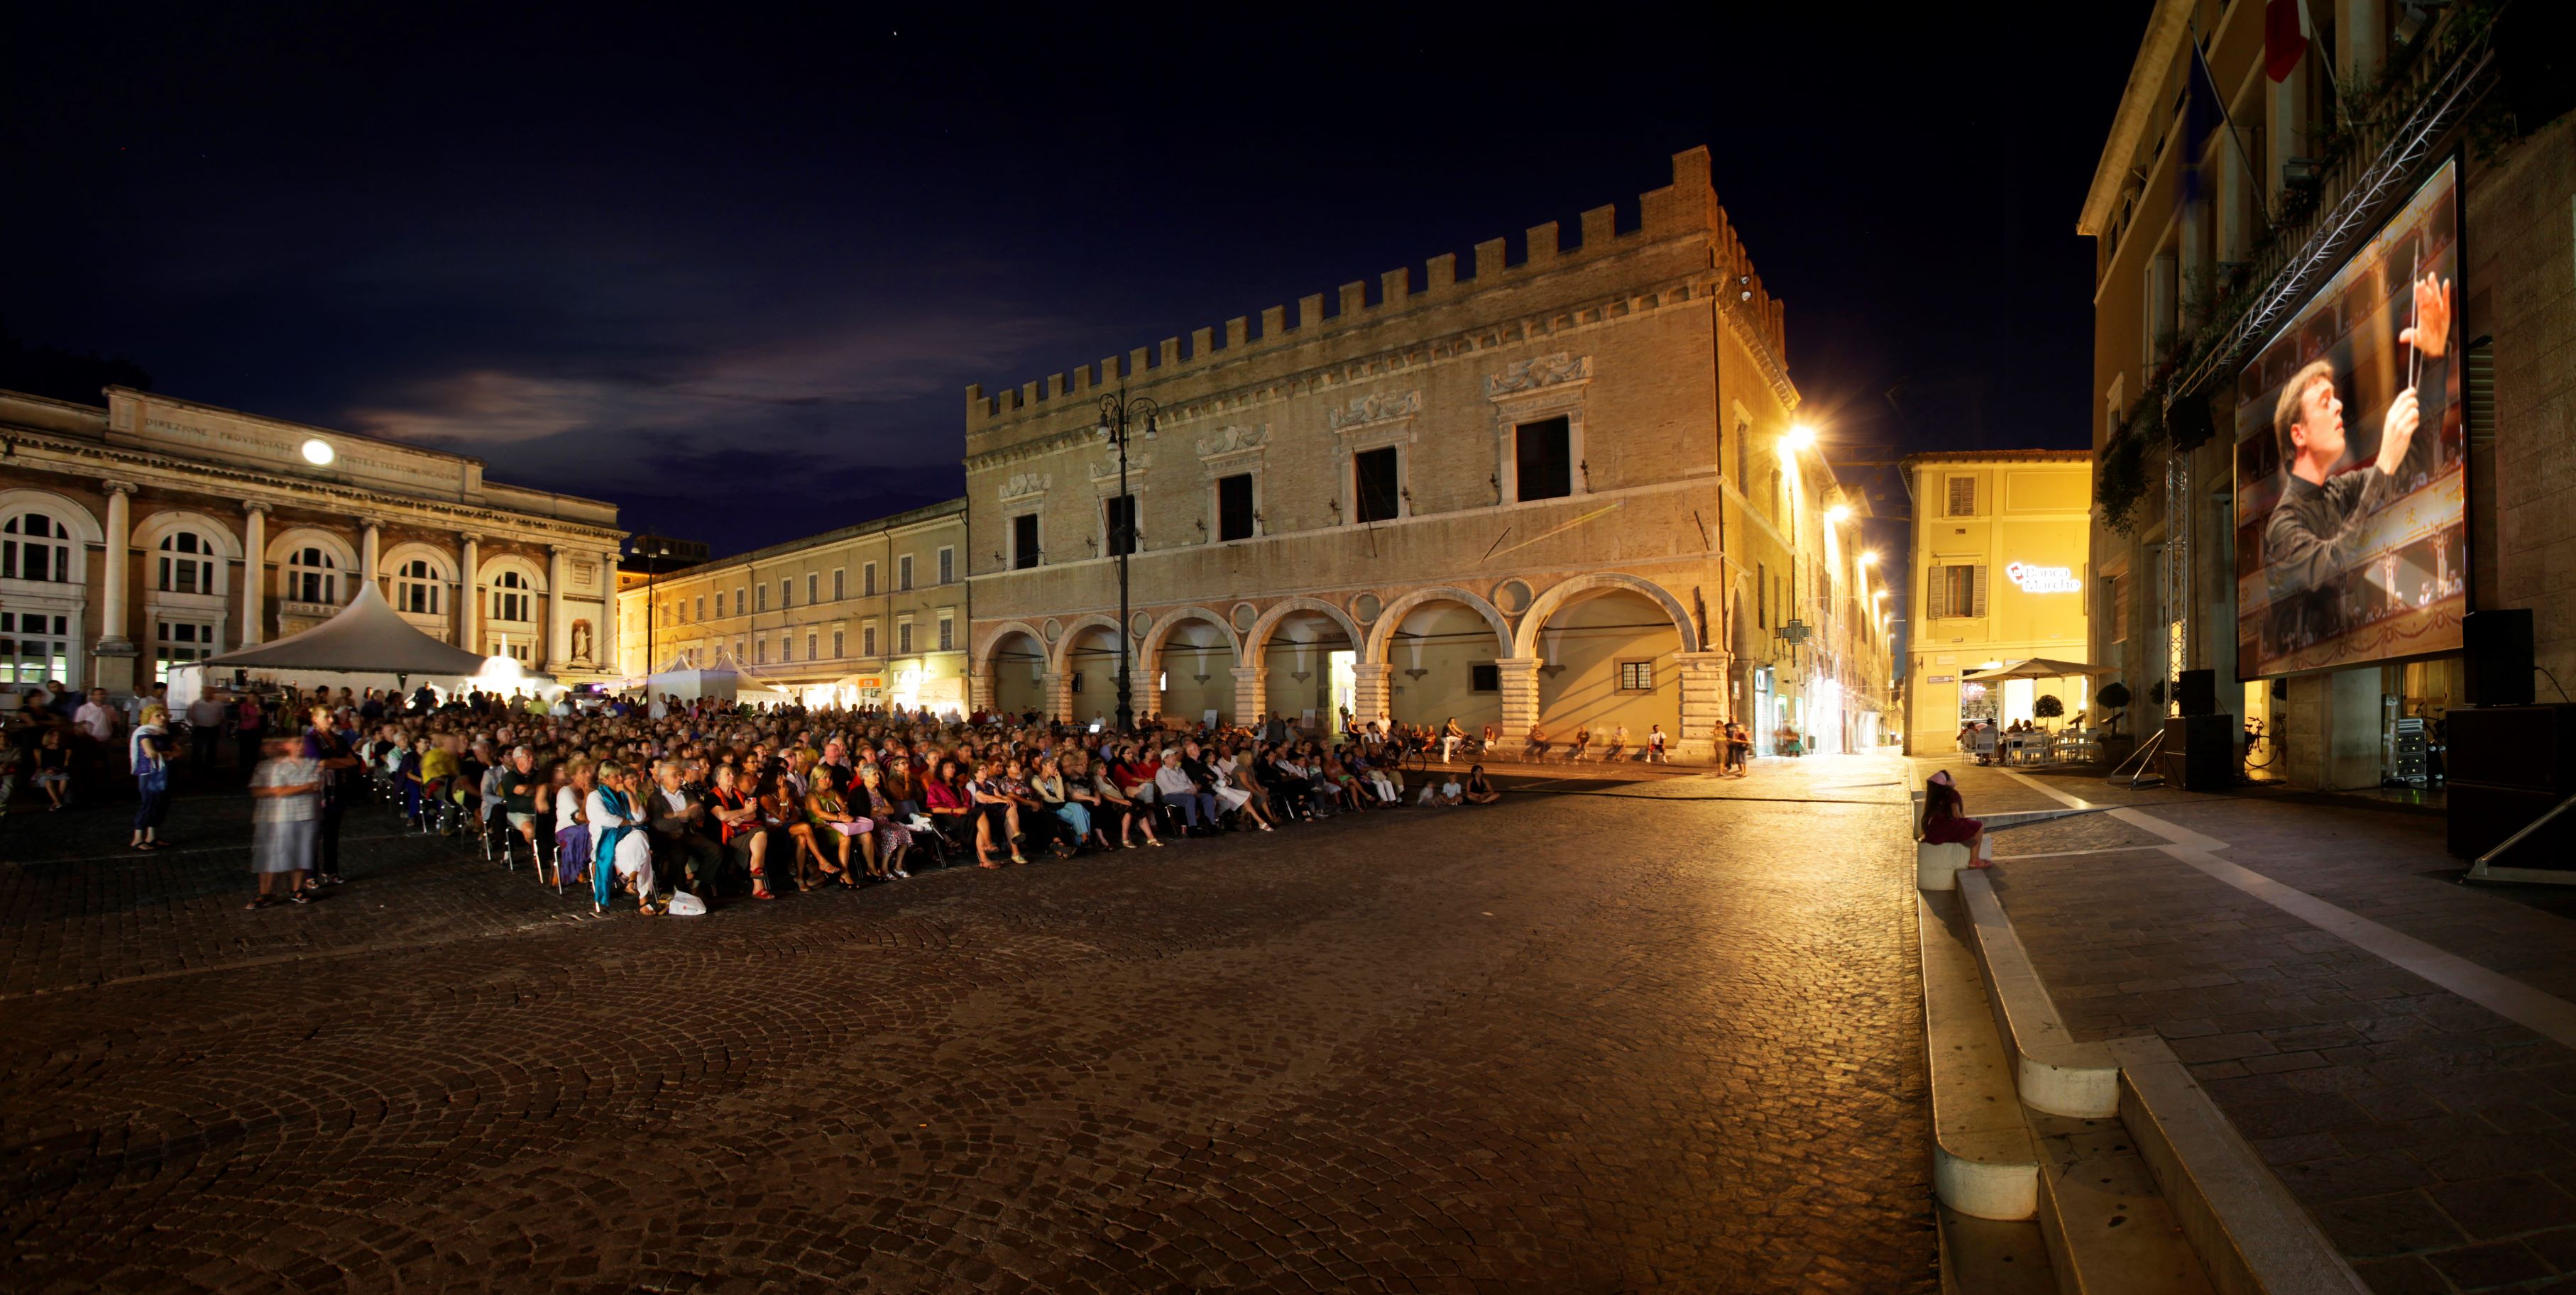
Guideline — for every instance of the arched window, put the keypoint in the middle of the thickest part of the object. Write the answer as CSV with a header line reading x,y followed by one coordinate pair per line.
x,y
187,564
510,597
34,546
416,587
312,577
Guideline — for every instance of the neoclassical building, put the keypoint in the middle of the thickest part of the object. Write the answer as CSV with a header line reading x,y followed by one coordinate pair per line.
x,y
157,531
1560,487
872,614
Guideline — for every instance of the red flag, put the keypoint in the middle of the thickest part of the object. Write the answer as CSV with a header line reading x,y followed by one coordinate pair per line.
x,y
2286,31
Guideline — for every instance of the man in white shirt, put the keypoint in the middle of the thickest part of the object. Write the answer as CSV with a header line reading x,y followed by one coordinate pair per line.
x,y
97,718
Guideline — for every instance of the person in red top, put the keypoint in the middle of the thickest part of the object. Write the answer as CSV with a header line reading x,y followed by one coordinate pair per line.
x,y
738,827
1945,820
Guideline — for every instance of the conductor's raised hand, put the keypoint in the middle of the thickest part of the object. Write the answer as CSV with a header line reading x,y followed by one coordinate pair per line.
x,y
2431,333
2397,431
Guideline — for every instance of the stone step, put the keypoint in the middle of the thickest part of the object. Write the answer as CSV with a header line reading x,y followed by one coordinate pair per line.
x,y
1984,1162
2110,1230
1993,1256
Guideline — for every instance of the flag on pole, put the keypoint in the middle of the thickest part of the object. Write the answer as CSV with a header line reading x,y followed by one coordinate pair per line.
x,y
2203,113
2286,32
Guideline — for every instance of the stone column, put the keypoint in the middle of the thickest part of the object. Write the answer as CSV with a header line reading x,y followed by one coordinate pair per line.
x,y
558,618
1251,694
1519,678
1368,695
1058,690
979,687
1148,699
368,547
254,593
115,652
1704,704
469,602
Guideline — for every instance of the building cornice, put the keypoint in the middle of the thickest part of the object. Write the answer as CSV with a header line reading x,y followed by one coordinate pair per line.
x,y
38,451
2140,105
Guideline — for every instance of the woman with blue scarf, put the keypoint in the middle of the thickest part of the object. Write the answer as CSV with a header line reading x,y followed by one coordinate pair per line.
x,y
616,819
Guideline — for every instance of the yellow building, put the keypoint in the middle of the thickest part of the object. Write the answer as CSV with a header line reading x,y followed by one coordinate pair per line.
x,y
867,615
2000,574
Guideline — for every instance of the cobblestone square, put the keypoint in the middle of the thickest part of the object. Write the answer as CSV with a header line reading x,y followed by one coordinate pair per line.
x,y
1664,1036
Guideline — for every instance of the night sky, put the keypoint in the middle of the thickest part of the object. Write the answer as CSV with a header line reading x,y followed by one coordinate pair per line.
x,y
734,274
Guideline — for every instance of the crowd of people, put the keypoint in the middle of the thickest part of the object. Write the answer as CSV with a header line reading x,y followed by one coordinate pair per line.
x,y
685,803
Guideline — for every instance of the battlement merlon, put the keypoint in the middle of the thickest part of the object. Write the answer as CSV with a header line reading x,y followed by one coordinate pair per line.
x,y
1687,206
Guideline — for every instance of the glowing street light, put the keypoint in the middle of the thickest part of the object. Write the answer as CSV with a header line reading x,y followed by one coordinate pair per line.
x,y
1838,514
1799,437
1869,558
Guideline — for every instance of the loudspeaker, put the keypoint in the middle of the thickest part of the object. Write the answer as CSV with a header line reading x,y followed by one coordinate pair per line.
x,y
2530,747
2198,694
2482,817
2199,752
2189,423
2496,653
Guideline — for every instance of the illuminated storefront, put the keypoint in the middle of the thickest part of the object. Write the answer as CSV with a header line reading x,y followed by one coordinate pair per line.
x,y
1999,575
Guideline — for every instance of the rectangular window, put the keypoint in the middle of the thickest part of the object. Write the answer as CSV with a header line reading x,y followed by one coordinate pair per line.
x,y
840,583
1636,676
786,593
868,580
720,604
760,647
764,597
740,604
1543,455
1963,497
702,610
34,648
811,644
1743,455
1761,596
813,587
903,573
1485,678
840,646
786,648
1234,507
1118,524
948,566
903,638
1375,484
178,643
2115,605
868,641
1957,592
1024,541
947,634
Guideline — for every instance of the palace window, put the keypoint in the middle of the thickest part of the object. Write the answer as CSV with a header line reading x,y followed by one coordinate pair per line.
x,y
179,643
903,573
786,593
948,566
35,547
812,642
868,640
1485,678
187,564
764,597
1542,455
702,608
1234,507
840,646
1963,497
1375,484
720,604
312,577
1118,516
35,648
1636,676
1957,591
840,583
947,632
416,588
813,587
1024,541
511,598
903,638
1761,596
760,647
867,579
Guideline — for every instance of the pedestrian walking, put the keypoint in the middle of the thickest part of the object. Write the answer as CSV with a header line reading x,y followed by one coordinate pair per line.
x,y
286,820
250,731
341,778
148,753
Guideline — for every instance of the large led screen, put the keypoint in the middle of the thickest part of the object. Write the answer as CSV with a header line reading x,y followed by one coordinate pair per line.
x,y
2351,456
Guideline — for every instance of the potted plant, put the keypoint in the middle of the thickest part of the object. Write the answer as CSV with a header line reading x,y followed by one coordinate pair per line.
x,y
2114,700
2048,706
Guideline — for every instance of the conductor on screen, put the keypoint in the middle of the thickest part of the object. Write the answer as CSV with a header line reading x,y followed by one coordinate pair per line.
x,y
2316,530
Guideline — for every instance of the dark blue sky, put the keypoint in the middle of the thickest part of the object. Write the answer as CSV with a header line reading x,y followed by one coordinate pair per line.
x,y
734,273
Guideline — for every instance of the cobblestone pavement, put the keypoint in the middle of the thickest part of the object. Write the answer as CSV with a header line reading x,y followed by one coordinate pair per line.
x,y
1662,1036
2433,1140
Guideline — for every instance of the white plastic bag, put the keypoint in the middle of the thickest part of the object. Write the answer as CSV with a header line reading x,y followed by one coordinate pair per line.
x,y
684,904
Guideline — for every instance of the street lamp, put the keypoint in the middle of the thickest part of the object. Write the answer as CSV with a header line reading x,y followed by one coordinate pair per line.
x,y
1799,437
1118,417
652,567
1838,514
1869,558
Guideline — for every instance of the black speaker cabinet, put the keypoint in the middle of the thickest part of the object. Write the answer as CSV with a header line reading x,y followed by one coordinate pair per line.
x,y
2189,422
2198,693
2529,747
2199,752
2482,817
2496,650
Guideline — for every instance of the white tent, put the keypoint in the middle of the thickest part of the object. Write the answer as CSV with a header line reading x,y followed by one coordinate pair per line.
x,y
369,644
690,683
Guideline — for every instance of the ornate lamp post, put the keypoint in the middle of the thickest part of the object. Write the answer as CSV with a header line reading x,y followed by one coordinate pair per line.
x,y
652,567
1120,417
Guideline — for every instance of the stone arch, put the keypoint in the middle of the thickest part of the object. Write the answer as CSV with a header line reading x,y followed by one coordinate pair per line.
x,y
529,569
1382,634
992,690
283,545
1060,652
1165,623
224,543
1258,637
1557,596
67,513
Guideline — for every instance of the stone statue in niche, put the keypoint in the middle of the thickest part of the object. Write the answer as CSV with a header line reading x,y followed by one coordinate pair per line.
x,y
581,644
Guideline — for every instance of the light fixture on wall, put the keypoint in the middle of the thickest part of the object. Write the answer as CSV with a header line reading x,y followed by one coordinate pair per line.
x,y
319,453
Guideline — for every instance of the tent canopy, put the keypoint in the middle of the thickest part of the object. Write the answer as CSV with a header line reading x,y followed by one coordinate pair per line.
x,y
368,636
2039,667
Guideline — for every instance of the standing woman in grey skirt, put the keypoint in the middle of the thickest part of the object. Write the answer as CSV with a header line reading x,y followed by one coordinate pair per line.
x,y
286,820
